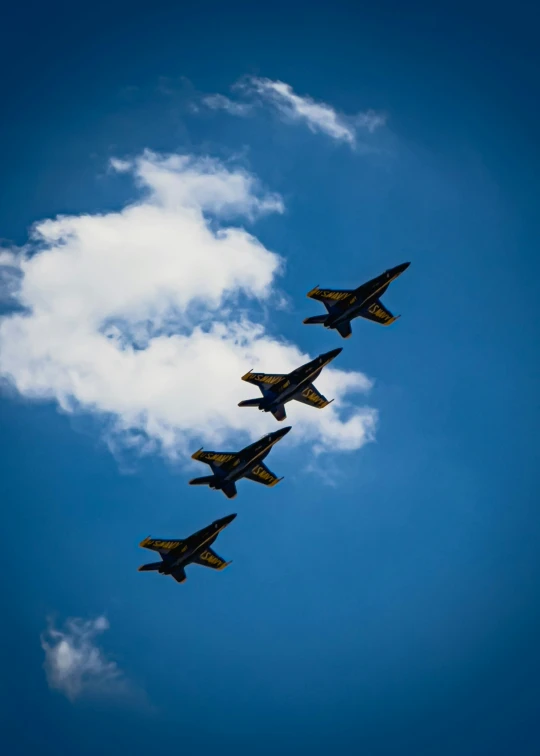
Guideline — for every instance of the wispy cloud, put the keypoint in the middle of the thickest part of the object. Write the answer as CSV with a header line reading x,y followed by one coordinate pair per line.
x,y
328,477
318,116
370,120
292,107
220,102
254,92
149,316
77,667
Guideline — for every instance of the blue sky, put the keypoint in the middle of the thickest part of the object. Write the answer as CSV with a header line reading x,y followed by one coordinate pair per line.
x,y
383,598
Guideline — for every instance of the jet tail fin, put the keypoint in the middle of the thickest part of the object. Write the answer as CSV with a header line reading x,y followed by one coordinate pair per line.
x,y
344,330
249,403
150,567
315,320
229,489
279,413
179,574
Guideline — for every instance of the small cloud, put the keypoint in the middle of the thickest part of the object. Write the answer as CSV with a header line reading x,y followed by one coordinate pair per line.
x,y
120,166
318,116
328,477
220,102
77,667
370,120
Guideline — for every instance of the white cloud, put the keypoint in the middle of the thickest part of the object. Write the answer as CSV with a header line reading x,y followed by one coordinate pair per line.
x,y
120,166
220,102
318,116
10,275
140,316
370,120
76,666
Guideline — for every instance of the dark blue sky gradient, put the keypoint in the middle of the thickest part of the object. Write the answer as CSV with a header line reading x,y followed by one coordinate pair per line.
x,y
397,611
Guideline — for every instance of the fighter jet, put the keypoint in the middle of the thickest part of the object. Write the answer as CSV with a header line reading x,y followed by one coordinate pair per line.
x,y
176,554
345,304
279,388
228,467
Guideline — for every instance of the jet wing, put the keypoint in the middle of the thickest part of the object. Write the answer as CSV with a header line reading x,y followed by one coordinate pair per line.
x,y
265,381
378,313
332,297
261,474
217,459
161,545
311,396
209,558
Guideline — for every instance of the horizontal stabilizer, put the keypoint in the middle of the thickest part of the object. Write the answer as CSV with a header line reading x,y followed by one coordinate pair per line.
x,y
150,567
249,403
228,487
206,480
315,320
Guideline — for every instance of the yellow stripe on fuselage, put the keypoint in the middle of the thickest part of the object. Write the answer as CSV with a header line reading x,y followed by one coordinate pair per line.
x,y
386,283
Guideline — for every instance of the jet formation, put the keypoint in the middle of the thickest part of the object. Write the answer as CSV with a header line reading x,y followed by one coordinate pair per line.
x,y
277,389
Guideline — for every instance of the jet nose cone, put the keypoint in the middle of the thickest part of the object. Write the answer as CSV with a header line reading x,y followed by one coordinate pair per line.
x,y
333,353
392,273
281,432
227,520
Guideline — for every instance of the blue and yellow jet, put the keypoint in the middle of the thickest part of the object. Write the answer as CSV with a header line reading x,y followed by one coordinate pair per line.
x,y
343,305
279,388
229,467
176,553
